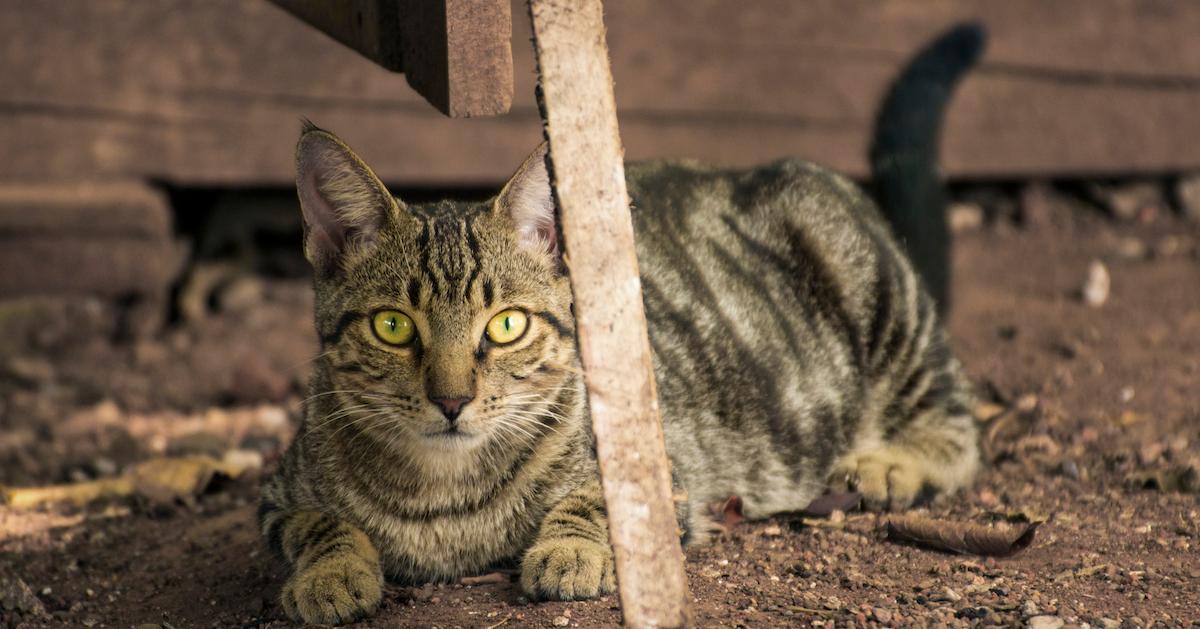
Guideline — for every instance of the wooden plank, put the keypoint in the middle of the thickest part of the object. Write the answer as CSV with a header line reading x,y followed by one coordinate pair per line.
x,y
589,184
455,53
209,92
369,27
479,57
109,239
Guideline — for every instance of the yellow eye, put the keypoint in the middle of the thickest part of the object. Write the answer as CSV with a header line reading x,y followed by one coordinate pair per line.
x,y
507,326
393,327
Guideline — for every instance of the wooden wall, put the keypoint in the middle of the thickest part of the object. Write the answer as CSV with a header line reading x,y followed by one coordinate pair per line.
x,y
211,91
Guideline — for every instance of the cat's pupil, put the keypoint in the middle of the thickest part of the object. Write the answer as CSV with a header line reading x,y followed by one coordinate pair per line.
x,y
391,323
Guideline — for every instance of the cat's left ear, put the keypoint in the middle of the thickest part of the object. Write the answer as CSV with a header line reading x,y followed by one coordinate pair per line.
x,y
345,206
529,202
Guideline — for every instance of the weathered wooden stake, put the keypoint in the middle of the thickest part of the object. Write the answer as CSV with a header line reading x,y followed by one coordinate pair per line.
x,y
588,175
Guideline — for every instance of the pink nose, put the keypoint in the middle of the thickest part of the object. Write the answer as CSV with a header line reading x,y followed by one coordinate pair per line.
x,y
451,406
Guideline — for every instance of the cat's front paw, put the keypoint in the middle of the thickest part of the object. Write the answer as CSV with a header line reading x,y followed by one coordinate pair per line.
x,y
568,569
335,590
888,478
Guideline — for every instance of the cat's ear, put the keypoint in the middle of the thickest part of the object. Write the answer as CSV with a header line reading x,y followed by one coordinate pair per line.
x,y
529,202
344,204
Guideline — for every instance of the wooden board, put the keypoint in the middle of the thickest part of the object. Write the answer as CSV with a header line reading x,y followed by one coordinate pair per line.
x,y
211,92
455,53
587,175
110,239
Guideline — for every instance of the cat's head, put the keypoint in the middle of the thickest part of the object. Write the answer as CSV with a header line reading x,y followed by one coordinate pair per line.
x,y
444,326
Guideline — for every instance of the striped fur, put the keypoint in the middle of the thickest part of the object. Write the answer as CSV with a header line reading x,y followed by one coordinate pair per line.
x,y
792,343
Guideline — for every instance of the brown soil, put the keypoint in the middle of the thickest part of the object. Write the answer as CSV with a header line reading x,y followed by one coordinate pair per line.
x,y
1096,400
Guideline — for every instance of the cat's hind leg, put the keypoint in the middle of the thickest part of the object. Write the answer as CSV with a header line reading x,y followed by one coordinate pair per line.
x,y
935,451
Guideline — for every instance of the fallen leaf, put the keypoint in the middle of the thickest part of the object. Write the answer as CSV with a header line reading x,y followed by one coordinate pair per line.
x,y
962,537
824,506
728,514
160,479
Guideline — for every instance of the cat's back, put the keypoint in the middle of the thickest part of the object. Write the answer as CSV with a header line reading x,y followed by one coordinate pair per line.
x,y
758,288
790,215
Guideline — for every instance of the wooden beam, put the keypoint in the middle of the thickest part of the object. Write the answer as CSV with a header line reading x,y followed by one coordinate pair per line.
x,y
209,93
587,166
455,53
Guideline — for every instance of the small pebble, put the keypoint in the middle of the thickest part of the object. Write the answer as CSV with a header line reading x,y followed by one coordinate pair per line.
x,y
1070,469
104,466
1044,622
950,595
882,615
1131,248
1169,246
1096,287
965,216
561,621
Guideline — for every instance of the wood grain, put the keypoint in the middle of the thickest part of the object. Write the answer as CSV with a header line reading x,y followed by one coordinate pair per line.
x,y
211,91
455,53
589,182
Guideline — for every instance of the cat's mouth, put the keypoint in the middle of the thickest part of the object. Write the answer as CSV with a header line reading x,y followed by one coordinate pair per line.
x,y
453,437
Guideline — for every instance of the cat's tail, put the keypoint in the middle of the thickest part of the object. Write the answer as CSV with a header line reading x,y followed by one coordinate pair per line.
x,y
904,152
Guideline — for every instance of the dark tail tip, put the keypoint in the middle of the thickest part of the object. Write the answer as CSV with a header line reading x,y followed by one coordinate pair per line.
x,y
904,153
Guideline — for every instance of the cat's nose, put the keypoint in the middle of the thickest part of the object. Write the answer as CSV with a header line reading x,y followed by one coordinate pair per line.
x,y
451,406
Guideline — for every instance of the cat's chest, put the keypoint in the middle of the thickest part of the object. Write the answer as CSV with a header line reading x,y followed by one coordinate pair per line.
x,y
431,543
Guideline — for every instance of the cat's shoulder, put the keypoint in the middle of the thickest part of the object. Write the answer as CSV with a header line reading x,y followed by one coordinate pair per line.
x,y
789,170
781,185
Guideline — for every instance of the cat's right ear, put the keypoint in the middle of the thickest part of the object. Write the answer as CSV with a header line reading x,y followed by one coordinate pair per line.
x,y
529,203
345,206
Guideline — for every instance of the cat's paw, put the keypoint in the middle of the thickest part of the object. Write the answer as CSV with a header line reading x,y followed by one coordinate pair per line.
x,y
568,569
333,591
888,478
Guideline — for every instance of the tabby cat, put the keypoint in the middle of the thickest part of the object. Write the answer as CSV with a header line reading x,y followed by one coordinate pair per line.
x,y
447,430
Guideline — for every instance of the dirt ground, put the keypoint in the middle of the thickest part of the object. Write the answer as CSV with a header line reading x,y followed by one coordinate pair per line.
x,y
1091,413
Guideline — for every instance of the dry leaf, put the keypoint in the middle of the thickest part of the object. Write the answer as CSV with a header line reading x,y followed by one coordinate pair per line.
x,y
161,479
962,537
824,506
728,514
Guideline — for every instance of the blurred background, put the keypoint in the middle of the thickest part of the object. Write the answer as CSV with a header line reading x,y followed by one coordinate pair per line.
x,y
154,299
